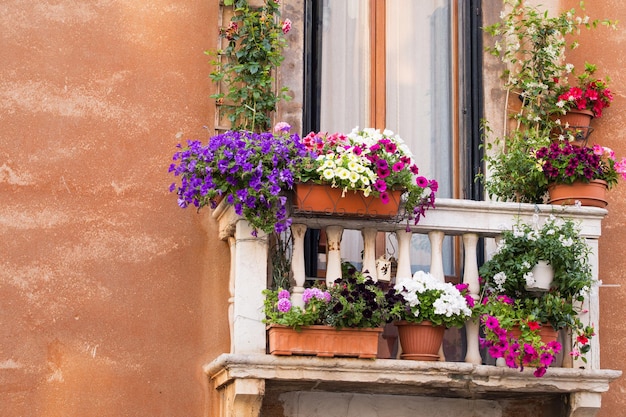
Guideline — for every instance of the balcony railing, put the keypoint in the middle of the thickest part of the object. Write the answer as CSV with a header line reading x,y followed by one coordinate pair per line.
x,y
470,221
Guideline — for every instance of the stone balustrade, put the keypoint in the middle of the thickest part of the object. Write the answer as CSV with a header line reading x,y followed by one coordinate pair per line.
x,y
244,373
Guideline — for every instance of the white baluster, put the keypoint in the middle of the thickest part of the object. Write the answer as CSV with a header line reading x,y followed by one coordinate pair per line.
x,y
333,261
369,252
470,277
404,254
436,254
297,263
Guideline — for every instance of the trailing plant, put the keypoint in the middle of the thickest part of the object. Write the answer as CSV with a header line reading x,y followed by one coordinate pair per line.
x,y
251,171
370,161
247,65
557,241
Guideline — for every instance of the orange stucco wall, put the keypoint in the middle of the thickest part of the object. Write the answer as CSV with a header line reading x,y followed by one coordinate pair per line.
x,y
605,48
103,279
111,297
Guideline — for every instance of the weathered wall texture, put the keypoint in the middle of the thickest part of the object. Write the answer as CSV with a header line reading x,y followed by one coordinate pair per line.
x,y
604,47
103,279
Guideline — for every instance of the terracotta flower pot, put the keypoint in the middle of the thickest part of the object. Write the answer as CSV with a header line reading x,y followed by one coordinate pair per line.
x,y
420,341
546,332
323,341
589,194
324,199
578,125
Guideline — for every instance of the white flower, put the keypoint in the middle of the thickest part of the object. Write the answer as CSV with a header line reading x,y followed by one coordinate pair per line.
x,y
530,278
354,177
328,174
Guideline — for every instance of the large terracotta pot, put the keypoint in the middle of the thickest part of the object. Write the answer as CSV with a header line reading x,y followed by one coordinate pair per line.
x,y
578,125
323,341
420,341
324,199
589,194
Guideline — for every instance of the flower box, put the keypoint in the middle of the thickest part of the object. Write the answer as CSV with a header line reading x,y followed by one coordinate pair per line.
x,y
323,341
310,198
591,194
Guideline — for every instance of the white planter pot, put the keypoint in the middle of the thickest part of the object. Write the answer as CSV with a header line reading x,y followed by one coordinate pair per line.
x,y
543,274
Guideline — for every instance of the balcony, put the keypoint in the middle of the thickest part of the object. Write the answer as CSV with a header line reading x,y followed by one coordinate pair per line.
x,y
249,382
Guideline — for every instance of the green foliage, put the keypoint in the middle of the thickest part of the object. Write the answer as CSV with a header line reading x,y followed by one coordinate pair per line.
x,y
515,174
557,241
247,66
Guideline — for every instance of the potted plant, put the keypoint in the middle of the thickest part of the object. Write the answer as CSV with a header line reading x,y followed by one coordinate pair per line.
x,y
580,103
512,268
251,171
423,307
344,319
376,167
531,44
571,171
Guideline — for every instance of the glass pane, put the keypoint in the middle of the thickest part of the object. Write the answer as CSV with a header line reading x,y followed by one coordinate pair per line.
x,y
419,83
345,65
419,97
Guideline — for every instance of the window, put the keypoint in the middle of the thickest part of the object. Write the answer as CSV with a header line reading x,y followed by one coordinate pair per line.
x,y
396,64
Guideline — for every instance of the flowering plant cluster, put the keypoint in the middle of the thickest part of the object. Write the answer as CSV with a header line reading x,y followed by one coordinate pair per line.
x,y
254,41
250,170
564,163
425,298
507,303
512,330
557,241
280,310
353,301
590,94
369,161
532,45
521,348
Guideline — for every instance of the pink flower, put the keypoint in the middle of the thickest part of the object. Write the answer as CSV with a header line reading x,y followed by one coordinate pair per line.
x,y
282,127
620,167
286,26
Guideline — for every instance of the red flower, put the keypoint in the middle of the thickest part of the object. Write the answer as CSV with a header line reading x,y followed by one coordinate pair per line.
x,y
533,325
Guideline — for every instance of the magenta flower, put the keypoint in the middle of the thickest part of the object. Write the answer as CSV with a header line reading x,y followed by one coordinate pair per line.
x,y
286,26
492,322
422,182
539,372
283,294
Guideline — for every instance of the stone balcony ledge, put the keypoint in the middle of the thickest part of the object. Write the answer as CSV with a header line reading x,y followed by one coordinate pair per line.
x,y
404,377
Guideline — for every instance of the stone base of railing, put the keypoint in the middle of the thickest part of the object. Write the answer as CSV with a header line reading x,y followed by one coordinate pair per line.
x,y
250,383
